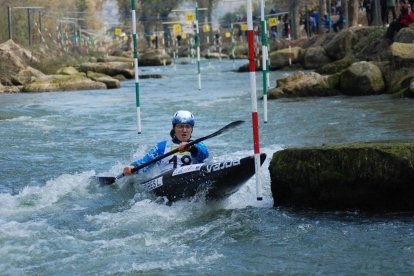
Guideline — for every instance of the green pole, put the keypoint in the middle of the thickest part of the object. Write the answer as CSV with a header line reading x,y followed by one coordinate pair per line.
x,y
232,46
134,39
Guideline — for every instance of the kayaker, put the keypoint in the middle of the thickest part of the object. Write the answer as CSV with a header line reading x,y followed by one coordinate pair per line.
x,y
182,127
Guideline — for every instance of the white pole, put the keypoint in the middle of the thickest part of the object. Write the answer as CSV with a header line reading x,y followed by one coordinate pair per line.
x,y
264,59
198,47
255,119
134,36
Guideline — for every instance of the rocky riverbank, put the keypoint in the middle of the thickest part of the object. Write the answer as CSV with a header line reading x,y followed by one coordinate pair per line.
x,y
356,61
18,72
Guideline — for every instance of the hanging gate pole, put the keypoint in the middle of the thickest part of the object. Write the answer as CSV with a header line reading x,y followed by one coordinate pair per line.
x,y
255,119
264,60
134,38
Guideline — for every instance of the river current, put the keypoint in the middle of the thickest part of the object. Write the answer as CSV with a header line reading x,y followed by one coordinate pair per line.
x,y
55,221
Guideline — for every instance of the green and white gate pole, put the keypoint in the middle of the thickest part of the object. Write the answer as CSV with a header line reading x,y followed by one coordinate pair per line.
x,y
198,46
134,39
255,117
232,46
265,61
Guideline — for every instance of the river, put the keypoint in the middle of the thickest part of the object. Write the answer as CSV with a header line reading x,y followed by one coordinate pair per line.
x,y
55,221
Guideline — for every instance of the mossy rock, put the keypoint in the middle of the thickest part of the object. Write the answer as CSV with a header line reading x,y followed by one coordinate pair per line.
x,y
361,176
336,66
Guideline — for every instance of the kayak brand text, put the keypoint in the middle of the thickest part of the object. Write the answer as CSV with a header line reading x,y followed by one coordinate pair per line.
x,y
153,184
223,165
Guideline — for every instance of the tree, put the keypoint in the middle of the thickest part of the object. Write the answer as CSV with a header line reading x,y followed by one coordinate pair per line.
x,y
209,5
352,9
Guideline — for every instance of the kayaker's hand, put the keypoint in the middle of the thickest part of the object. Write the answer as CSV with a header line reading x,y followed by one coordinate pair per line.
x,y
128,170
182,147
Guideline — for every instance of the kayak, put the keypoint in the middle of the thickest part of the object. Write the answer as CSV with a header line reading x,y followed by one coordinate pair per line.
x,y
217,180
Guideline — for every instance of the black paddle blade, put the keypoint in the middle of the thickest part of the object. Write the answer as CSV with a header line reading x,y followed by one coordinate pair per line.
x,y
232,125
105,180
223,130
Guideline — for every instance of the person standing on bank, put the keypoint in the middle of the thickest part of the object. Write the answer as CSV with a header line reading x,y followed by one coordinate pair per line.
x,y
182,127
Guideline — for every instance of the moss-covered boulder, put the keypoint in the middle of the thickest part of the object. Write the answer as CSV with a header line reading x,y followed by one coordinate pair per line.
x,y
361,176
109,68
336,67
26,75
110,82
51,83
361,79
315,57
345,42
301,84
402,55
400,81
280,58
154,57
68,70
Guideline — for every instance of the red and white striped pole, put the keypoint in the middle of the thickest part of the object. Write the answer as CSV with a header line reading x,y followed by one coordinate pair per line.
x,y
255,117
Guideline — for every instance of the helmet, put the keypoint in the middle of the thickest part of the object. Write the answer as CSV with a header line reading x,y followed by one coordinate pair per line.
x,y
183,117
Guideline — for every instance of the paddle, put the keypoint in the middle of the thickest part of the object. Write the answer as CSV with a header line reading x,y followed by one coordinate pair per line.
x,y
108,180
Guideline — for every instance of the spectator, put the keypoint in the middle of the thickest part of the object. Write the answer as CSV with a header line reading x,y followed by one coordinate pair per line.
x,y
403,3
327,22
315,25
340,23
391,7
338,6
384,13
368,10
273,29
403,21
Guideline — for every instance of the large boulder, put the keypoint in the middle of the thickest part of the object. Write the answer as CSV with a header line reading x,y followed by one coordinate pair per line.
x,y
110,82
68,70
366,176
344,42
402,55
362,78
16,55
26,75
400,82
405,35
305,85
52,83
13,59
280,58
335,67
154,57
109,68
315,57
118,59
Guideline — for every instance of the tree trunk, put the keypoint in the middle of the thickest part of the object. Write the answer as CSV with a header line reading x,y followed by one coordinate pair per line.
x,y
353,9
294,10
322,12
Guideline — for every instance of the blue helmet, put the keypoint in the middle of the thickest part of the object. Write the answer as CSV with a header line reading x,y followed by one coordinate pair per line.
x,y
183,117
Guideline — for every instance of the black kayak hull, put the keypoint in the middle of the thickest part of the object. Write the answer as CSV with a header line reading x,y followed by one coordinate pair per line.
x,y
216,180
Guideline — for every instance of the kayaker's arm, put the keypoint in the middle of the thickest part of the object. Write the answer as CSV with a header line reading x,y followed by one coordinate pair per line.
x,y
154,152
199,151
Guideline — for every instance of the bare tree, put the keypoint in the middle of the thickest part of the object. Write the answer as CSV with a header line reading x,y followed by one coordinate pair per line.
x,y
209,5
352,9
